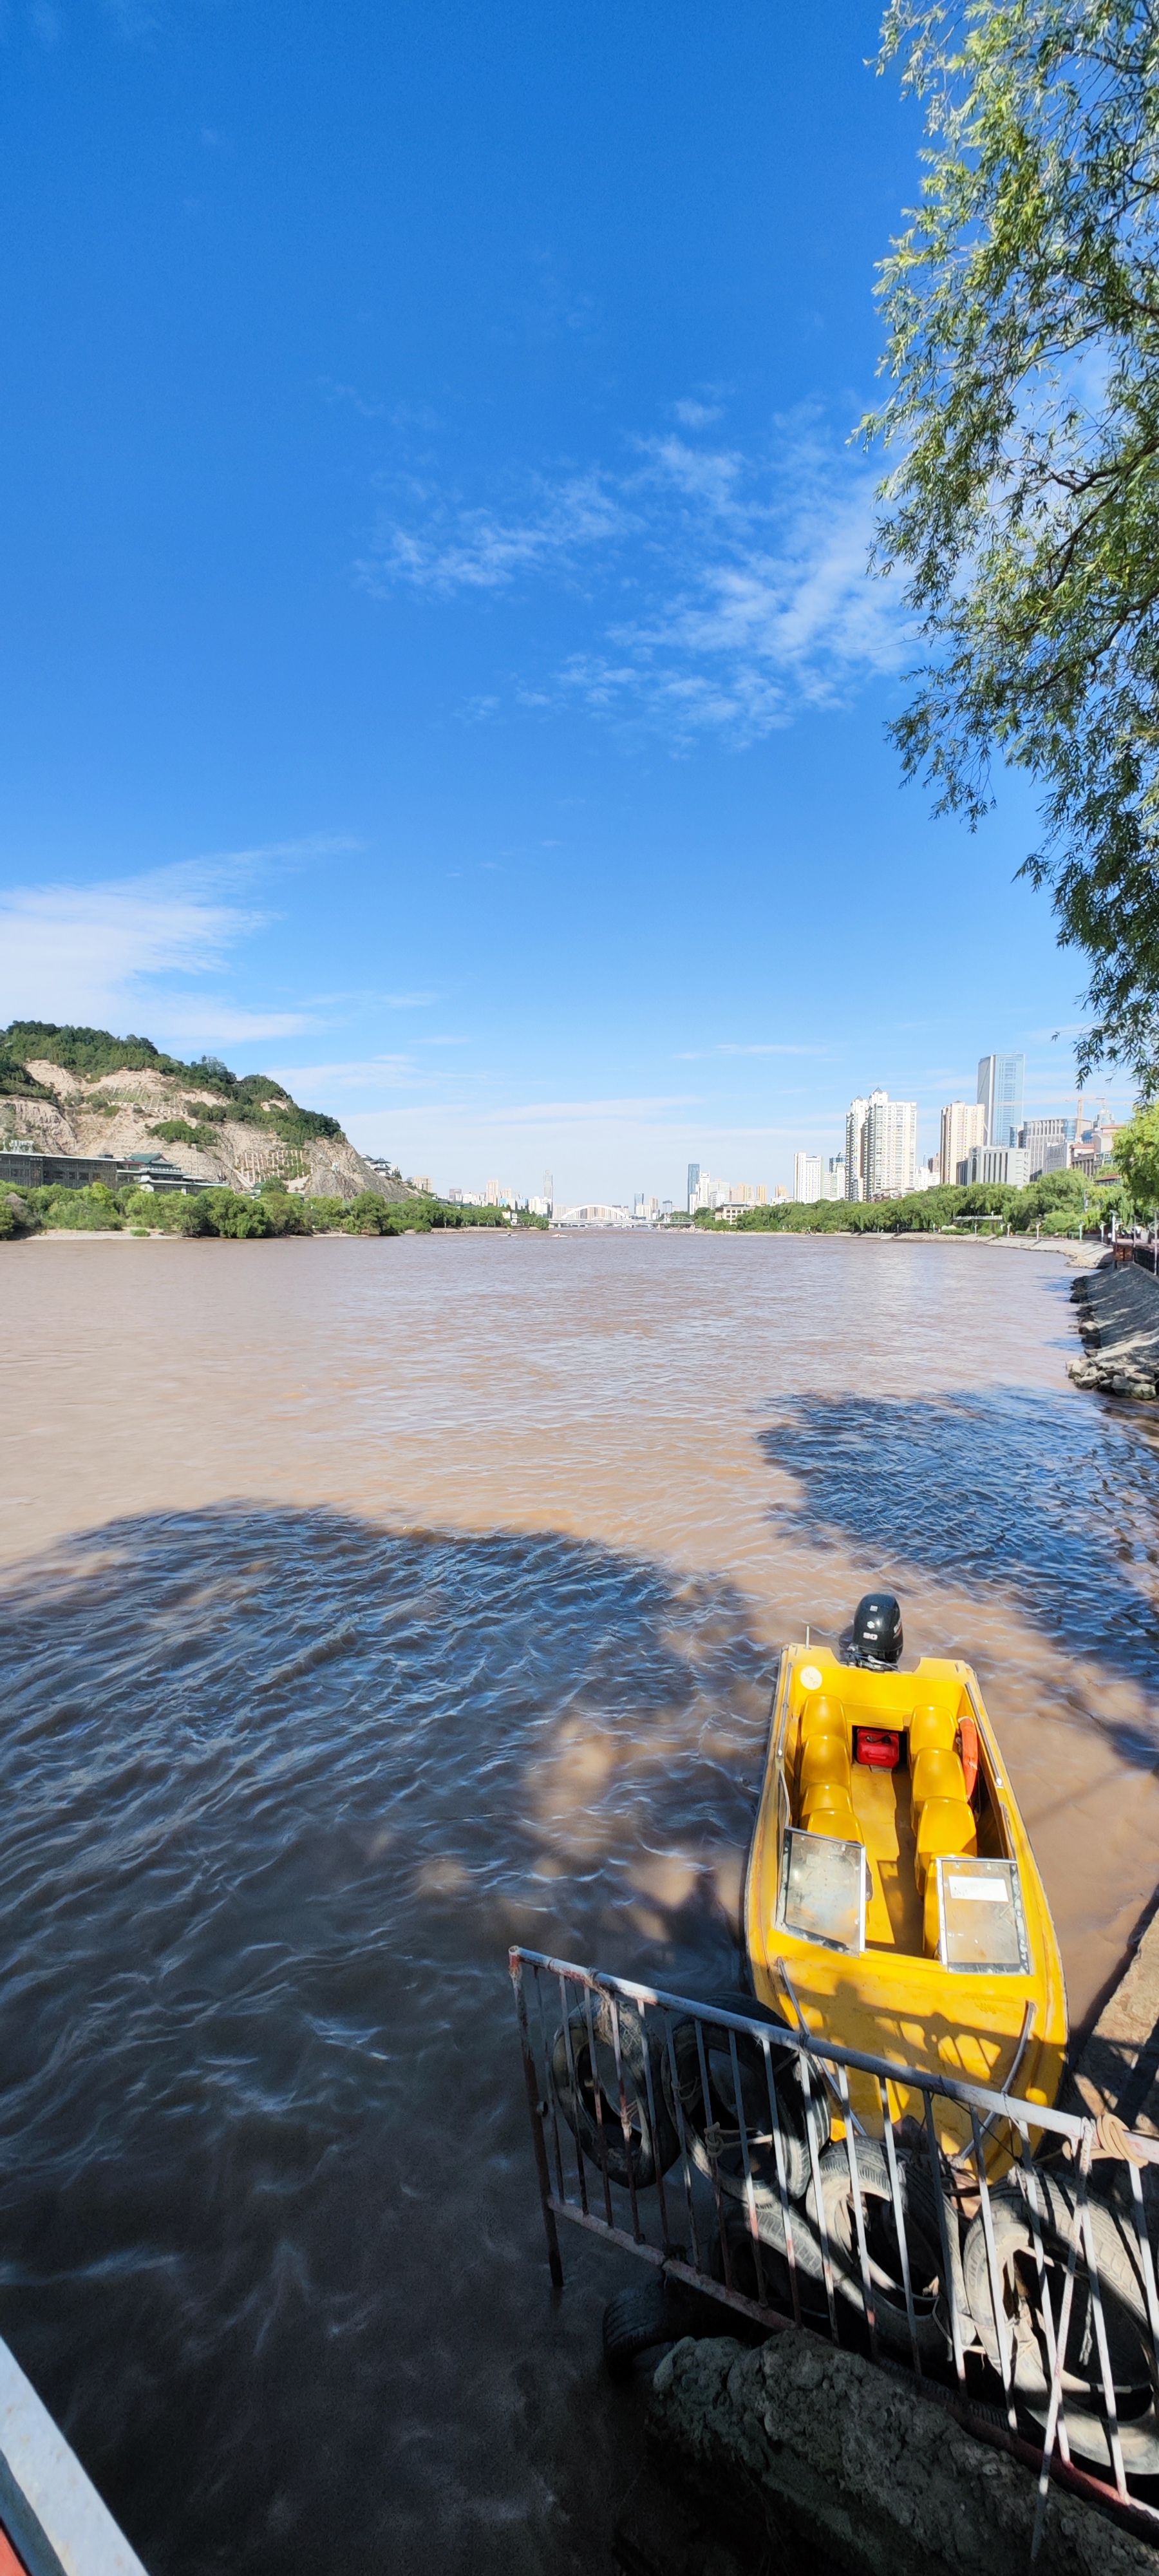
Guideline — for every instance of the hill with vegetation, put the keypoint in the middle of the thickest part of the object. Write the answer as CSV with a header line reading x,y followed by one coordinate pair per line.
x,y
84,1091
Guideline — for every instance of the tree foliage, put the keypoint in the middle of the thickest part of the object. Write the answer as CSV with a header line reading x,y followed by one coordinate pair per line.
x,y
1137,1155
1022,312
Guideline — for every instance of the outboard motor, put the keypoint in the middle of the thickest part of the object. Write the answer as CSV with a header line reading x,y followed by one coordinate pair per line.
x,y
877,1632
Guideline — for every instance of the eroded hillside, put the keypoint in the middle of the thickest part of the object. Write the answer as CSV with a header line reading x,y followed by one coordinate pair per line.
x,y
72,1090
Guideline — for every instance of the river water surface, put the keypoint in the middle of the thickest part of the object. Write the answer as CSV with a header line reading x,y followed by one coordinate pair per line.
x,y
367,1606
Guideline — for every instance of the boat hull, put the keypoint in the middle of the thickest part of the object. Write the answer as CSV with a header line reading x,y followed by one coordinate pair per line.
x,y
889,1998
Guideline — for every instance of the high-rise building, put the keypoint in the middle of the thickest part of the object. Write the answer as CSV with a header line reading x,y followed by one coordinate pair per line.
x,y
549,1191
806,1178
889,1146
855,1149
963,1127
1009,1164
693,1187
762,1194
833,1179
494,1194
1001,1082
1046,1141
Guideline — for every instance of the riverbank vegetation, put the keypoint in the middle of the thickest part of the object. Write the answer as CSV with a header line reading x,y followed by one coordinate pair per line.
x,y
1064,1203
230,1213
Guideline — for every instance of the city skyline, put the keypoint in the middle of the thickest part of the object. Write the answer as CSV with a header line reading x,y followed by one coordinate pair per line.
x,y
776,1174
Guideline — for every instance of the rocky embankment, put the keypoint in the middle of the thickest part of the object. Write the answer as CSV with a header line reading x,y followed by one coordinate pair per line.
x,y
1118,1318
842,2465
121,1112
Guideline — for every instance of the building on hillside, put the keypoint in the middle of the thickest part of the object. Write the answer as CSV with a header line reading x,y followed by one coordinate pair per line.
x,y
21,1162
963,1127
807,1172
889,1146
855,1117
1001,1083
1009,1164
693,1201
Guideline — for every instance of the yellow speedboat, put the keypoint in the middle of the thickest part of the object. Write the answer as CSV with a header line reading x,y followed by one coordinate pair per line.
x,y
893,1903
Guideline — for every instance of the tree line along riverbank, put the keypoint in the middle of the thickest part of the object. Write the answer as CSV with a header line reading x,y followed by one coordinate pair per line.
x,y
273,1211
1063,1203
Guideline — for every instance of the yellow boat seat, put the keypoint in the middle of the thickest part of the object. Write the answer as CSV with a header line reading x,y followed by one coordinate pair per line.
x,y
839,1823
936,1774
831,1795
931,1730
823,1716
946,1831
826,1757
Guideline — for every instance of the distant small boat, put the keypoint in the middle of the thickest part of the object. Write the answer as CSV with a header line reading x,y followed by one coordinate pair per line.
x,y
893,1900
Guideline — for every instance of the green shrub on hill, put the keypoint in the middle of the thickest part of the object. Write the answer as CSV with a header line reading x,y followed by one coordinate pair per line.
x,y
91,1053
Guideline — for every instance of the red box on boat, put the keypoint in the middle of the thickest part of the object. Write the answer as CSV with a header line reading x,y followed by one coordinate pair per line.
x,y
877,1746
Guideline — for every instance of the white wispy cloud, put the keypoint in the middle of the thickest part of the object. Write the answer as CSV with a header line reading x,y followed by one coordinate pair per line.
x,y
470,1115
367,1073
746,569
454,547
101,953
698,1055
696,415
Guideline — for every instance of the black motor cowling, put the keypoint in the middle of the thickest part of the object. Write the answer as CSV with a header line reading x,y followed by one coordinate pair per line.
x,y
877,1631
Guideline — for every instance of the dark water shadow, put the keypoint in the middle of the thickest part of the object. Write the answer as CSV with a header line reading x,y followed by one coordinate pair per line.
x,y
278,1789
1006,1493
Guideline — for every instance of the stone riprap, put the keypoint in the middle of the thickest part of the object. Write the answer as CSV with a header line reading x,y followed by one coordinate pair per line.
x,y
1118,1317
854,2464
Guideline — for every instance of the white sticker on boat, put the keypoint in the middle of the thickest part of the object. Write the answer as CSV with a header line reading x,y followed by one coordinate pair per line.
x,y
980,1891
811,1679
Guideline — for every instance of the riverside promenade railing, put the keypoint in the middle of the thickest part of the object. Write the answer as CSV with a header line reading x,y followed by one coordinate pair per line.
x,y
723,2148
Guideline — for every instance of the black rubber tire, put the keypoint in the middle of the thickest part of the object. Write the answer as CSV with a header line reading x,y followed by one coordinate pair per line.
x,y
712,2131
634,2321
654,2145
891,2321
1124,2304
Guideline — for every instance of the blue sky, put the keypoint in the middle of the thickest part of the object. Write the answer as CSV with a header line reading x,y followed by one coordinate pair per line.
x,y
439,664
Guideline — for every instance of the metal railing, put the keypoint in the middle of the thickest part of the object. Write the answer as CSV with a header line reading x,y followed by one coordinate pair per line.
x,y
722,2146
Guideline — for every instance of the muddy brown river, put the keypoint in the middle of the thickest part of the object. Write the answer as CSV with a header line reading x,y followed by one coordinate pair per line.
x,y
367,1606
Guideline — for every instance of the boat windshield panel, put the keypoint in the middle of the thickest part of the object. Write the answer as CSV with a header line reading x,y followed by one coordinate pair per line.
x,y
824,1887
983,1926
